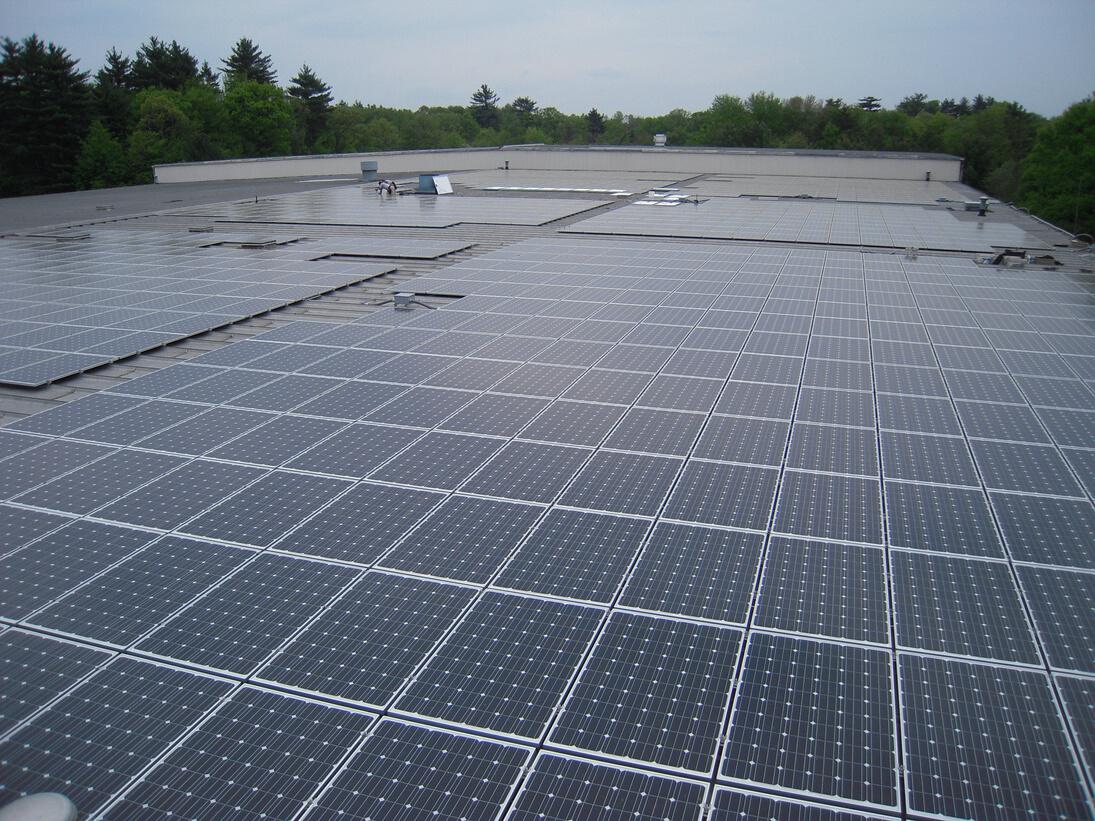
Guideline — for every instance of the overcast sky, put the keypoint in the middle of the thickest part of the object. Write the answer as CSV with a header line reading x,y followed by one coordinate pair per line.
x,y
637,56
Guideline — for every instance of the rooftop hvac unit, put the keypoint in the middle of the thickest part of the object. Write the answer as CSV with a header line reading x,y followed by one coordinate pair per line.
x,y
659,140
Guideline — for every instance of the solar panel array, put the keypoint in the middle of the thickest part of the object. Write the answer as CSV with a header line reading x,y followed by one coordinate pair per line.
x,y
76,304
635,530
361,205
924,192
891,226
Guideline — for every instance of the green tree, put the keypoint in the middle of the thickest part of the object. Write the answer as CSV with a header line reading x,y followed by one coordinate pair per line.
x,y
207,76
913,104
113,93
102,160
46,107
484,107
160,65
314,98
595,124
1058,175
162,133
261,120
869,103
247,62
525,107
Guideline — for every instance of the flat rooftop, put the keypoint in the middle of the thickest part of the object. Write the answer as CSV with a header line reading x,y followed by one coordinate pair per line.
x,y
702,497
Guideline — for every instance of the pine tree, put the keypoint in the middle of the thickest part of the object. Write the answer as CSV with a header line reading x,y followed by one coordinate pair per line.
x,y
159,65
525,107
870,103
247,62
207,76
315,99
484,107
46,105
595,121
113,92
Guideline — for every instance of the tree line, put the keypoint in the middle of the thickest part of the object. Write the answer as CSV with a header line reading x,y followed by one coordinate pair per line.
x,y
63,128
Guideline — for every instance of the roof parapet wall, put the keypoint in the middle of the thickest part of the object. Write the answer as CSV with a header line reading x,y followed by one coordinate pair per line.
x,y
684,161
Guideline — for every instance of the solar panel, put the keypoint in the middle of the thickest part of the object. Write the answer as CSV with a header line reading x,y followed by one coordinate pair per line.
x,y
1059,601
574,554
824,589
240,622
984,741
271,754
37,670
58,562
653,690
265,510
405,770
19,526
367,644
546,551
940,518
959,606
505,666
623,483
90,487
563,788
367,520
739,805
829,506
177,289
464,538
147,706
814,717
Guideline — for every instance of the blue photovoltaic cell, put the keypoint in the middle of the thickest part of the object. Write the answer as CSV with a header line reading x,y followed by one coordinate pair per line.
x,y
943,519
738,805
92,486
561,788
574,554
34,575
32,467
1046,530
653,690
815,717
722,494
133,597
832,507
36,670
1061,603
19,526
370,640
959,606
265,510
404,771
824,589
695,571
268,755
466,539
241,621
1078,697
439,460
505,666
623,483
146,707
985,742
365,522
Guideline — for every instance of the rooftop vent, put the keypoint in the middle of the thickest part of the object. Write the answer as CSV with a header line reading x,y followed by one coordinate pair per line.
x,y
659,140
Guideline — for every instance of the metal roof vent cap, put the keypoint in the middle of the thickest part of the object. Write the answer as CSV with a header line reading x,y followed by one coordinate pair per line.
x,y
659,141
